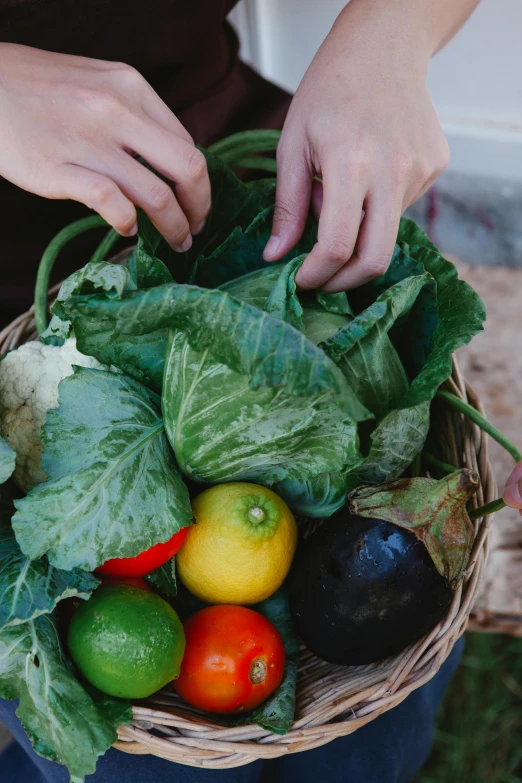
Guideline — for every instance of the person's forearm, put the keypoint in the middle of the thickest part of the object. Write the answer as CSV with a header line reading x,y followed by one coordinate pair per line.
x,y
432,22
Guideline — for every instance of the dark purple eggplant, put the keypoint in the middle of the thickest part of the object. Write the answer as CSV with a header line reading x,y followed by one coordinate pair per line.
x,y
363,588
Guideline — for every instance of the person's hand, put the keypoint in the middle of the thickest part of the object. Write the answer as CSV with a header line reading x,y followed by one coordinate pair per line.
x,y
70,128
513,490
363,122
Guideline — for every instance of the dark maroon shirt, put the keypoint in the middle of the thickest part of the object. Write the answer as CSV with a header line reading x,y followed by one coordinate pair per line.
x,y
185,50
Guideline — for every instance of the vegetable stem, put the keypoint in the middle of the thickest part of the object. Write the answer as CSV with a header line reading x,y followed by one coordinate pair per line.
x,y
481,422
256,162
489,508
245,143
47,262
431,459
493,432
105,246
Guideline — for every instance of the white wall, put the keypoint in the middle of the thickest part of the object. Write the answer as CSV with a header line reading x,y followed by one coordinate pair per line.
x,y
475,82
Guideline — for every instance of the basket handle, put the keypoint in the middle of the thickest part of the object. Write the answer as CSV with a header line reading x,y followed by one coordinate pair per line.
x,y
489,429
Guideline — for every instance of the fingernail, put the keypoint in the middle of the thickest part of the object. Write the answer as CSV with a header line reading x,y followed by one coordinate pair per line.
x,y
513,495
199,228
134,230
187,244
272,247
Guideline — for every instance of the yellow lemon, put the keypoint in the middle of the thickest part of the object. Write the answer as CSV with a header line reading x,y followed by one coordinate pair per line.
x,y
241,547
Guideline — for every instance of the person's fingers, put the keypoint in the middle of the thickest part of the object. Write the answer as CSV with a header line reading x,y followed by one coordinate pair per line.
x,y
155,197
97,192
513,495
513,490
375,244
181,163
344,190
158,111
142,94
293,191
317,198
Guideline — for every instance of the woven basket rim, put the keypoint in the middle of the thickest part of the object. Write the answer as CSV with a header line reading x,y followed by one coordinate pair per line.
x,y
332,701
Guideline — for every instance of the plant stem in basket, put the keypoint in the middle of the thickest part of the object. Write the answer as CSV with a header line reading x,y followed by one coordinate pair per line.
x,y
431,459
489,508
256,162
487,427
105,246
481,422
245,143
48,259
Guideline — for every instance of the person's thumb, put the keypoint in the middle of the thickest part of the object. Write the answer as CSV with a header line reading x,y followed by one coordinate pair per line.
x,y
294,186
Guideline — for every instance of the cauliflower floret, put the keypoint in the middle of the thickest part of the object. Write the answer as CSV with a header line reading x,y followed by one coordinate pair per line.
x,y
29,378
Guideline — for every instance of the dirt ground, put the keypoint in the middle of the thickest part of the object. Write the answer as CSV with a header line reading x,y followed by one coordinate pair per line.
x,y
493,365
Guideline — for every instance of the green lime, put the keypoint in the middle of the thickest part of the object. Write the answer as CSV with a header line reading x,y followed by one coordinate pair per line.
x,y
126,641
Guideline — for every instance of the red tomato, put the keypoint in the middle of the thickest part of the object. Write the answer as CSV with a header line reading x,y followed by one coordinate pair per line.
x,y
234,659
148,561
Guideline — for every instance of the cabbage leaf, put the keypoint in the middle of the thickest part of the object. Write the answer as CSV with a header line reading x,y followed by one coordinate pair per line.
x,y
7,461
64,722
114,489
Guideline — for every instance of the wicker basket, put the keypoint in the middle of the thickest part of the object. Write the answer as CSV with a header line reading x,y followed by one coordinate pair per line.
x,y
332,701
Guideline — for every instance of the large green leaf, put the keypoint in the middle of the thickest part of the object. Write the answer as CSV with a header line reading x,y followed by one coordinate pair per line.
x,y
140,356
460,314
274,291
395,443
147,272
269,351
113,488
7,460
223,430
412,234
365,353
242,251
256,377
94,277
234,204
63,722
282,302
29,588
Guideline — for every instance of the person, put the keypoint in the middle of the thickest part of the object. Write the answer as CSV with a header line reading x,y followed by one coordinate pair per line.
x,y
85,89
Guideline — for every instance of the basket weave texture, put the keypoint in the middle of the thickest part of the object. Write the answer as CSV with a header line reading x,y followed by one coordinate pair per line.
x,y
332,701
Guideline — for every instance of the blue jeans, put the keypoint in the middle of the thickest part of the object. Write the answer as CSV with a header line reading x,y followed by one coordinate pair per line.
x,y
390,749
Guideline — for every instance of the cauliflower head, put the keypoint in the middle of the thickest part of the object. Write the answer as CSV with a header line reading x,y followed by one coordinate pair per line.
x,y
29,378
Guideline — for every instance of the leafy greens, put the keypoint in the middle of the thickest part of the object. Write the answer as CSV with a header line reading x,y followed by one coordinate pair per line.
x,y
64,722
113,489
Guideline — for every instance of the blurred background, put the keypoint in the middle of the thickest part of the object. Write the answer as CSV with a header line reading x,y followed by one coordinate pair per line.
x,y
474,214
